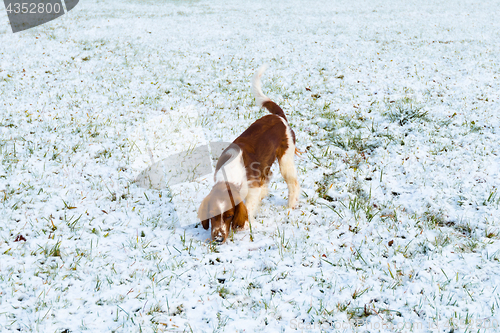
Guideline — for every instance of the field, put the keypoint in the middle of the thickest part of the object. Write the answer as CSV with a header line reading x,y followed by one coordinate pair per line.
x,y
395,104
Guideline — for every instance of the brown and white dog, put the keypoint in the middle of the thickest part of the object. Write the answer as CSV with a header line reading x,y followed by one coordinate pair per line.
x,y
243,169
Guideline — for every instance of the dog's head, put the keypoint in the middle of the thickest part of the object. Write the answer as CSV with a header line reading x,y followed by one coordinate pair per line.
x,y
223,209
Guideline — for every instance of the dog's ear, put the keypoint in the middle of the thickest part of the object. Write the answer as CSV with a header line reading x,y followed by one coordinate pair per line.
x,y
240,210
240,215
203,213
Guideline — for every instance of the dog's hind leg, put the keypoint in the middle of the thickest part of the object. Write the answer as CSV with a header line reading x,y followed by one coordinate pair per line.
x,y
289,173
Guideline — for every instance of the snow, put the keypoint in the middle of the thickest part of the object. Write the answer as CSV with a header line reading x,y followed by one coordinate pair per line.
x,y
398,224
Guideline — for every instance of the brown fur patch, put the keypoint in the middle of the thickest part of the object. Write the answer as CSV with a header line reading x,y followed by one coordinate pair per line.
x,y
261,144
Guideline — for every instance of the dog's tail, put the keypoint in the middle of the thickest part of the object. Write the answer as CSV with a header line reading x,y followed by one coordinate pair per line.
x,y
262,100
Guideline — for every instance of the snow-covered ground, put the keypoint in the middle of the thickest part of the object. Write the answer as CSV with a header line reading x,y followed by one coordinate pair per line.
x,y
395,103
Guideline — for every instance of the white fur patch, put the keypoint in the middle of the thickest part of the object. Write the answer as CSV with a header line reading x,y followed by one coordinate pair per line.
x,y
260,98
222,208
289,138
234,172
287,168
253,201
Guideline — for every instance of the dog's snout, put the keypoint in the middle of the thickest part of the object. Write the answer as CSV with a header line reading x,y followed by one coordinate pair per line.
x,y
218,236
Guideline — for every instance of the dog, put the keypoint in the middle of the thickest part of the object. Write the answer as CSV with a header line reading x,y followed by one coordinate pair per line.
x,y
242,172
